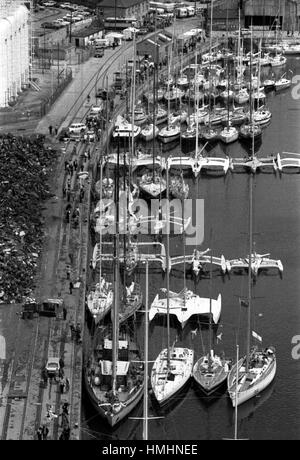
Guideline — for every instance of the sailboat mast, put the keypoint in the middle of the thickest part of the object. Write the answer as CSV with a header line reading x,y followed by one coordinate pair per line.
x,y
107,115
154,95
228,111
115,337
250,91
250,266
100,236
197,104
146,346
210,296
154,118
133,94
168,87
124,233
210,60
259,60
236,394
168,267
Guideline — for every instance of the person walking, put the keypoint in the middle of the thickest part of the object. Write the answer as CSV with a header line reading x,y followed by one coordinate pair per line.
x,y
65,407
78,333
71,286
64,313
50,130
45,376
39,434
72,329
62,385
45,431
67,384
68,272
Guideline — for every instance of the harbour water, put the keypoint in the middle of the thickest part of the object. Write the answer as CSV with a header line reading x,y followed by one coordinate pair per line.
x,y
274,414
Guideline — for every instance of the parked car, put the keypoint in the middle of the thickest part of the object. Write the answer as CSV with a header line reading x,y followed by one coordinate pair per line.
x,y
142,31
50,4
101,93
99,52
89,136
63,135
77,128
96,109
53,366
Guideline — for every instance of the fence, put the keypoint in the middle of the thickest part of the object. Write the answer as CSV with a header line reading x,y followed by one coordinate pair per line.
x,y
45,106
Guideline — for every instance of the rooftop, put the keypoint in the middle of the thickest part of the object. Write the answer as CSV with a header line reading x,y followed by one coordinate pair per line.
x,y
120,3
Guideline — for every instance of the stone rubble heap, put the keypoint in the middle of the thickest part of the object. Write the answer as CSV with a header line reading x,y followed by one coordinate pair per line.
x,y
24,167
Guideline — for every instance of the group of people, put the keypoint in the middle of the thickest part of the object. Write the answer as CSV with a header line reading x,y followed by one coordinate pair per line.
x,y
75,332
24,166
43,430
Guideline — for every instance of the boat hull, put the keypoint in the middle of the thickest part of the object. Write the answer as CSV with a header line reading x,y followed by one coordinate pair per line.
x,y
257,388
113,419
163,388
209,382
166,139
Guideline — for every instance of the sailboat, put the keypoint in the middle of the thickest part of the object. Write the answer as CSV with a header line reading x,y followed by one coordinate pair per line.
x,y
250,130
172,368
209,134
257,369
185,303
230,133
150,131
170,132
114,371
211,370
100,299
282,83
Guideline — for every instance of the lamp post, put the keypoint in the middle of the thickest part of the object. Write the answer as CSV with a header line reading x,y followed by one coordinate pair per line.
x,y
70,38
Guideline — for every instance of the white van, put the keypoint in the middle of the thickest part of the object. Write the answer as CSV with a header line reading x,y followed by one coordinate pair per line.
x,y
104,42
181,12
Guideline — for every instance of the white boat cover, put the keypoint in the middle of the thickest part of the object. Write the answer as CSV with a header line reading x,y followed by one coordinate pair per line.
x,y
186,304
122,367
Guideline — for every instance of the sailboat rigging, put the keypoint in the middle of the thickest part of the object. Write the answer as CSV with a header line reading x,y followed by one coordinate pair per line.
x,y
211,370
258,367
173,367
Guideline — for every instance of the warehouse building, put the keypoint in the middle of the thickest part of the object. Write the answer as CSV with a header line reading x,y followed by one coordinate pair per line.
x,y
14,51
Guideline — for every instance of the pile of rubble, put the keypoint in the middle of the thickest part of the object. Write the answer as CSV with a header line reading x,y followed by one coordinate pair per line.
x,y
24,168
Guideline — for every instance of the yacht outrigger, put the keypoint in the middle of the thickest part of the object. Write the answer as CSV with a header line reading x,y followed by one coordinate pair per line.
x,y
258,262
198,261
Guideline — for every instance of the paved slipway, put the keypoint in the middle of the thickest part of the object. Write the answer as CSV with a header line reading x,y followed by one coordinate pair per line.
x,y
26,344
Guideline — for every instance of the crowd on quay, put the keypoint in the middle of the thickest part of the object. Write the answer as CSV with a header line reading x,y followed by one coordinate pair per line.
x,y
24,168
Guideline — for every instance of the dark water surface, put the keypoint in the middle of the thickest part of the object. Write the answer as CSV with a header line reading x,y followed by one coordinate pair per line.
x,y
275,413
